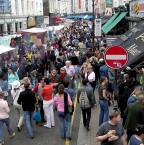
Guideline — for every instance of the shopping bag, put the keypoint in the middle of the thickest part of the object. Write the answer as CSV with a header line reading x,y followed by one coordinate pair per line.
x,y
75,85
37,116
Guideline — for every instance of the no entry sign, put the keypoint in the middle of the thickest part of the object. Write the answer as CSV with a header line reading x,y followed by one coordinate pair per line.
x,y
116,57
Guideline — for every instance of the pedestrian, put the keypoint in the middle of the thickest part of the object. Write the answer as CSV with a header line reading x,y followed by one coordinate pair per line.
x,y
15,92
85,98
30,68
137,138
58,64
38,90
4,118
28,100
134,114
103,70
48,103
112,131
103,100
62,100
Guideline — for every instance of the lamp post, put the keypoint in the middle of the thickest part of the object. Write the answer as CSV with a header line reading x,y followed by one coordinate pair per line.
x,y
93,26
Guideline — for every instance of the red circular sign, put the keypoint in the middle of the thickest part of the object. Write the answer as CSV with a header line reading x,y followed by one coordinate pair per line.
x,y
116,57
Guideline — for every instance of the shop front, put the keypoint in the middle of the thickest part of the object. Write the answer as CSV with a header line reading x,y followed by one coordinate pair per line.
x,y
31,22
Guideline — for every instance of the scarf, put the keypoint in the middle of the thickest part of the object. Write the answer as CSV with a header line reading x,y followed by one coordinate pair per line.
x,y
62,76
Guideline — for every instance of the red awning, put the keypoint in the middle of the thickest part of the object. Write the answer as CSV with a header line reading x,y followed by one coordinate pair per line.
x,y
58,20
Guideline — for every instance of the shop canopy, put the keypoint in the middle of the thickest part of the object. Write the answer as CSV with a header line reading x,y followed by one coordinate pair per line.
x,y
134,47
130,33
115,22
4,49
58,20
32,31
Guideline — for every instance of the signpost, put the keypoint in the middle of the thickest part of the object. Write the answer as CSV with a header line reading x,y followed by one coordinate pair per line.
x,y
116,57
98,27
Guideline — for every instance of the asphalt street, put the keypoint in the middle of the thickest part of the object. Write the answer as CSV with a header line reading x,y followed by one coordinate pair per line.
x,y
43,135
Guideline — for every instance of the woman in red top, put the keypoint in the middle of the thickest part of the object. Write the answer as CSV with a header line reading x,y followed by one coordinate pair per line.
x,y
48,104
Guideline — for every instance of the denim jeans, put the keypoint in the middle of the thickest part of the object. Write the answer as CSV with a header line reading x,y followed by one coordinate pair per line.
x,y
104,111
65,130
28,115
33,82
7,122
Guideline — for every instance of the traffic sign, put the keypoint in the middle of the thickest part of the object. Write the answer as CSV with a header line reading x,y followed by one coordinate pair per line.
x,y
116,57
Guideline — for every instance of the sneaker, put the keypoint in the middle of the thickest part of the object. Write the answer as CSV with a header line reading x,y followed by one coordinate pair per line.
x,y
12,135
2,143
19,129
69,138
88,129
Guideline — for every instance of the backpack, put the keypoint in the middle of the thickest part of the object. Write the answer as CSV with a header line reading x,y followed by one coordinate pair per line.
x,y
127,91
83,100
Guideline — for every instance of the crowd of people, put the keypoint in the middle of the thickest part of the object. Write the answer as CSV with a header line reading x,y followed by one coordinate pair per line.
x,y
44,80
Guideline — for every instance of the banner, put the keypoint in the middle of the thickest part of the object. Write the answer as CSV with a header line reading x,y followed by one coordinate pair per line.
x,y
72,6
86,5
79,4
109,3
98,27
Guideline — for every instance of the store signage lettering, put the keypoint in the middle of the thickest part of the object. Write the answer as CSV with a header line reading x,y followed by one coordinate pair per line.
x,y
141,36
133,50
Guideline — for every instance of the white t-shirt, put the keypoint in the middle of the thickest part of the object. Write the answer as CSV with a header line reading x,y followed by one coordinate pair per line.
x,y
15,96
91,76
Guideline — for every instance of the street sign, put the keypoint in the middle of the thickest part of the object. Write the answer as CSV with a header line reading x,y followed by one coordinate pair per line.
x,y
98,27
116,57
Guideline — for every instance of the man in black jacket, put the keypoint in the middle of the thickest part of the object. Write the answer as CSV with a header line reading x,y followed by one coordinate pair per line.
x,y
28,100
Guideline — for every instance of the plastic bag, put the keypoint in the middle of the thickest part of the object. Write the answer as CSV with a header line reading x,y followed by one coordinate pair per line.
x,y
37,116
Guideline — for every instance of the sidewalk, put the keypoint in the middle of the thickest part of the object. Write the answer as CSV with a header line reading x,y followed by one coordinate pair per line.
x,y
89,137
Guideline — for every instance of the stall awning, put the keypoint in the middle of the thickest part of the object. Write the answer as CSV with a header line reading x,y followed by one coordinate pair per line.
x,y
110,21
129,34
58,20
134,47
113,24
87,17
69,17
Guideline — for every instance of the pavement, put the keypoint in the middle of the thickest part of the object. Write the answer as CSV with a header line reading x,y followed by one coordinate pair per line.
x,y
43,136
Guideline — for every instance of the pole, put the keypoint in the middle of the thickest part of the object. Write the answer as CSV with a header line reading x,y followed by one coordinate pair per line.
x,y
93,26
115,91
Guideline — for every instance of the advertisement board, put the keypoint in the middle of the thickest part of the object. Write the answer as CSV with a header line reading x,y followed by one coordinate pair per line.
x,y
109,3
97,27
137,8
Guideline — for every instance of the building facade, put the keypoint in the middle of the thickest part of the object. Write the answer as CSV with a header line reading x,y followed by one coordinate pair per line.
x,y
20,14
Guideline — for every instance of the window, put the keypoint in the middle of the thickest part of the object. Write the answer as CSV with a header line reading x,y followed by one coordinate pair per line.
x,y
1,28
16,29
20,24
16,6
22,6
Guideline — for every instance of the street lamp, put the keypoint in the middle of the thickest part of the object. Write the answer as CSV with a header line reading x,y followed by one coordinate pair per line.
x,y
93,26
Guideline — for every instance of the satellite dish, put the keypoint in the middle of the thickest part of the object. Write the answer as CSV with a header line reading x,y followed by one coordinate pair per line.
x,y
30,19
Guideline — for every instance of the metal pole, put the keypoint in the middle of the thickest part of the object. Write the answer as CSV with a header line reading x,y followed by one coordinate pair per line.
x,y
115,91
93,26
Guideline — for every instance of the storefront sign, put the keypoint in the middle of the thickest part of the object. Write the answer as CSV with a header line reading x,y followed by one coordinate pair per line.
x,y
109,3
137,8
97,27
39,19
31,21
86,5
134,47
